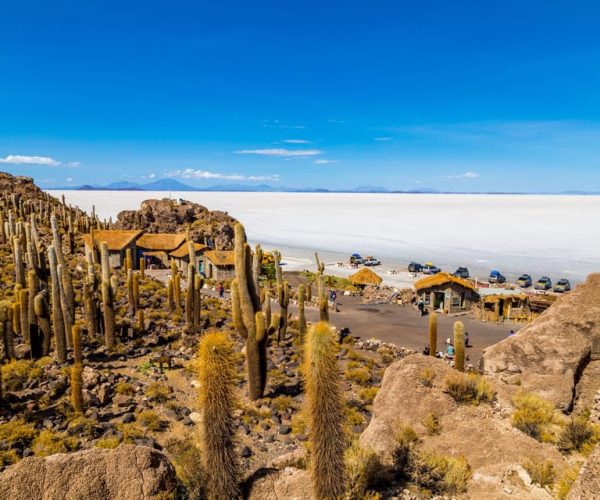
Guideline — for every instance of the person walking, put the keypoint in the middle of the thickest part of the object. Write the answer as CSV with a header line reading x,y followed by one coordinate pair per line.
x,y
221,291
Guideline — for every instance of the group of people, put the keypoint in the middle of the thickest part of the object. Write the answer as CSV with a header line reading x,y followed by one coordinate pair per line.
x,y
449,350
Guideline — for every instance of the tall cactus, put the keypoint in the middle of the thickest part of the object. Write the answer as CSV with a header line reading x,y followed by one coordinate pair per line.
x,y
283,293
77,372
142,266
107,299
129,286
217,391
170,296
42,313
324,406
459,346
433,334
301,315
6,326
249,303
66,303
58,323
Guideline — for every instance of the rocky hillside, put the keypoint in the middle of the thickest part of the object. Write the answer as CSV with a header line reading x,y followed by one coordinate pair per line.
x,y
175,216
558,355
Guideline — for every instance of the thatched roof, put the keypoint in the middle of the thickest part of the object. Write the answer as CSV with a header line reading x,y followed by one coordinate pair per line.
x,y
183,250
492,299
365,277
441,279
221,258
166,242
115,239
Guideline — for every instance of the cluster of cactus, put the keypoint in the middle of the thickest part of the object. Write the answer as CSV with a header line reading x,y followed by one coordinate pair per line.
x,y
217,431
193,298
325,411
249,320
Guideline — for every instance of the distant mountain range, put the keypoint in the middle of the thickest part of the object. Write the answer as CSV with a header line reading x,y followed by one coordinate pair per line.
x,y
175,185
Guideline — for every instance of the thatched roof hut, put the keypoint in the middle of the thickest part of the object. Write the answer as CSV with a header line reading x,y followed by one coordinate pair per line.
x,y
219,264
165,242
366,277
116,240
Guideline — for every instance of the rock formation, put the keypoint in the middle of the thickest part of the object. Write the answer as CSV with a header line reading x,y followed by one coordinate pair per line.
x,y
587,486
131,472
550,356
176,216
493,449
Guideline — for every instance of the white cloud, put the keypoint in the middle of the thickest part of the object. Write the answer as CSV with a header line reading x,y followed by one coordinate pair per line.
x,y
73,164
149,176
324,162
296,141
70,179
337,121
383,139
466,175
280,152
190,173
31,160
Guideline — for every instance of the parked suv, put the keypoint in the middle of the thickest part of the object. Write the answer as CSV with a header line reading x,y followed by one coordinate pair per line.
x,y
544,283
496,277
431,269
415,267
562,286
371,261
524,281
462,272
355,258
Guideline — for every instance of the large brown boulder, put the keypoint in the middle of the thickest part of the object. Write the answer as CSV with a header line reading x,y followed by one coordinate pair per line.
x,y
550,355
482,434
177,216
288,483
587,486
127,472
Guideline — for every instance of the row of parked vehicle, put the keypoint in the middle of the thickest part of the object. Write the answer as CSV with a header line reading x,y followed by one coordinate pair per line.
x,y
524,281
356,259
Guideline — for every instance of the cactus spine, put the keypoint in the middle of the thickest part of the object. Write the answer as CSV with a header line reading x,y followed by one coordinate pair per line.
x,y
433,334
77,372
249,305
459,346
107,299
325,411
217,403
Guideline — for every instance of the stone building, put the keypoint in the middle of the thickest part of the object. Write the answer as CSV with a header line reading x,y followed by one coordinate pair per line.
x,y
446,292
219,265
182,256
118,241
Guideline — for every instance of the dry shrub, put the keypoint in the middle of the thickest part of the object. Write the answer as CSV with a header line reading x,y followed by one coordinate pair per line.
x,y
158,392
438,473
406,439
150,420
49,442
541,473
577,435
533,415
17,433
469,388
363,469
124,388
565,483
368,395
360,376
187,459
427,376
108,443
432,424
18,373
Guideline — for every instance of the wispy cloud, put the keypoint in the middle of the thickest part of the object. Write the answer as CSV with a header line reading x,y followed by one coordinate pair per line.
x,y
70,179
190,173
280,124
382,139
324,162
337,121
296,141
466,175
29,160
280,152
149,176
37,160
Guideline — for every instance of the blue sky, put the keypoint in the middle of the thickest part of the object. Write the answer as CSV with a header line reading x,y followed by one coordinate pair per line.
x,y
451,95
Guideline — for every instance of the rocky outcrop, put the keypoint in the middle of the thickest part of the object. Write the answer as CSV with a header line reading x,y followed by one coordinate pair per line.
x,y
550,355
23,187
492,447
587,486
285,484
176,216
127,472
